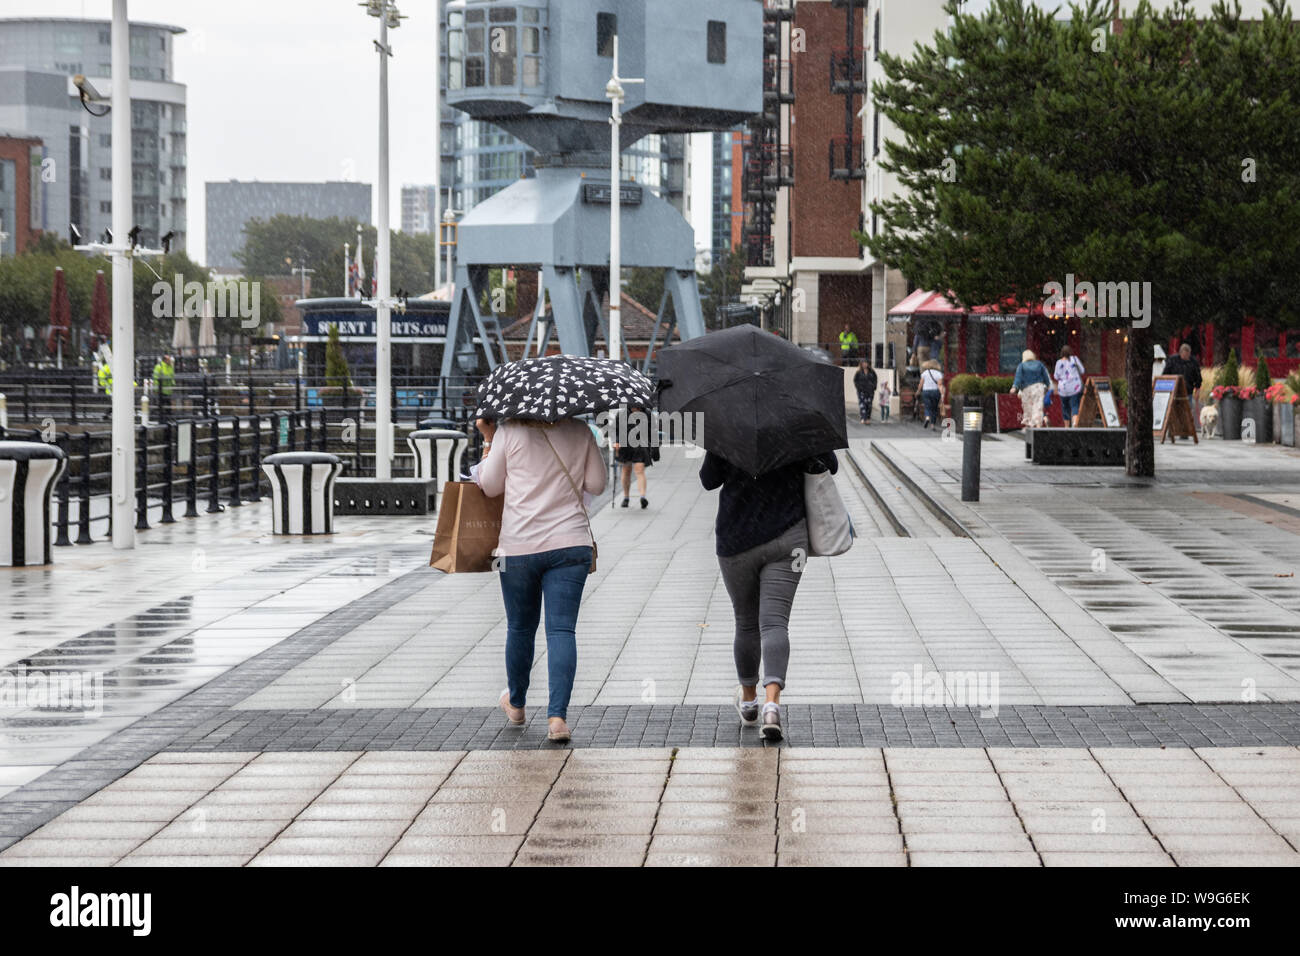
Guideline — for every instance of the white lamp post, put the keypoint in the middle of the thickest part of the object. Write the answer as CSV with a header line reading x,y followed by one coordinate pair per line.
x,y
436,216
614,90
386,12
123,461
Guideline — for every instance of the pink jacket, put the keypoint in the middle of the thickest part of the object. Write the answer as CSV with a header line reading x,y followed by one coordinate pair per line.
x,y
541,511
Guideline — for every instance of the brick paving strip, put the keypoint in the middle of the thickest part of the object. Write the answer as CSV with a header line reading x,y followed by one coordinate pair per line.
x,y
689,806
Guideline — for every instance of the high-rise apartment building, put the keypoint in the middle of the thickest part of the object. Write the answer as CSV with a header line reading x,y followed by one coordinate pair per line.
x,y
38,58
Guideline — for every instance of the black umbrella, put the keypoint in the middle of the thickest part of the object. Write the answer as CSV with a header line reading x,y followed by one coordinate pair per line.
x,y
561,386
763,402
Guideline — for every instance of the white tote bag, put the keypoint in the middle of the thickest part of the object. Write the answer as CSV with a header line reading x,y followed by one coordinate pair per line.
x,y
830,531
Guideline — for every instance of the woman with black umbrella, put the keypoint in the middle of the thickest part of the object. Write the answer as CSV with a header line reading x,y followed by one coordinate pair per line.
x,y
762,544
770,415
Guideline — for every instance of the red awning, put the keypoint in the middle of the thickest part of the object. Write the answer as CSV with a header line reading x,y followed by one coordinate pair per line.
x,y
923,303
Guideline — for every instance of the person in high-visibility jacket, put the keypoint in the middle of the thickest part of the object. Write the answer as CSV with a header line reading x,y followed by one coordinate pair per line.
x,y
106,377
848,342
164,380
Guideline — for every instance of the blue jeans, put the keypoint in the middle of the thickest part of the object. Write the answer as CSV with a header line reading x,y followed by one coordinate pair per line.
x,y
1070,406
930,398
558,576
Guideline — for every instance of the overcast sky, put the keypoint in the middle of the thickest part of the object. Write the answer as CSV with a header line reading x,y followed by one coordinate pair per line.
x,y
289,90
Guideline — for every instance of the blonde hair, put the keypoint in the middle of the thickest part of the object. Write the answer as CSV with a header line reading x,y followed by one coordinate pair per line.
x,y
1027,355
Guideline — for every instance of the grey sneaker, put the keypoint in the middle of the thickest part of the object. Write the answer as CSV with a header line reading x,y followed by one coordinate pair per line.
x,y
747,709
771,722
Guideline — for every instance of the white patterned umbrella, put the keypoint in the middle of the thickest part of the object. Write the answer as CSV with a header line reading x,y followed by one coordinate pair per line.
x,y
561,386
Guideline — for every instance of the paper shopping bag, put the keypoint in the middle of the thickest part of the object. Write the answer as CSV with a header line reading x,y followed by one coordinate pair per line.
x,y
469,524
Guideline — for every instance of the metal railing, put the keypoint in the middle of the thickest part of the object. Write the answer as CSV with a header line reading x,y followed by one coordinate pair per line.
x,y
34,397
204,464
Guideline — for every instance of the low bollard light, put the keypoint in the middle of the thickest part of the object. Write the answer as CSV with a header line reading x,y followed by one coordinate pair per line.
x,y
972,435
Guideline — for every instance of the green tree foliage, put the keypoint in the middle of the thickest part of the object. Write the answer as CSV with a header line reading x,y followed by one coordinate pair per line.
x,y
1262,378
277,246
1229,374
337,373
1033,148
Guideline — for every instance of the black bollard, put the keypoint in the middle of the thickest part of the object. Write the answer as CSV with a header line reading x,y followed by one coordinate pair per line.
x,y
972,436
255,493
142,479
235,500
192,478
214,467
62,442
83,504
169,458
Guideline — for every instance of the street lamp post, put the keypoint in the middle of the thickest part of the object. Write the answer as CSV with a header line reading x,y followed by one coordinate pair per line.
x,y
614,91
123,460
386,12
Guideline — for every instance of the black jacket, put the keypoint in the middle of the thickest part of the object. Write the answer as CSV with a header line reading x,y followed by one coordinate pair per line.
x,y
865,382
1190,370
753,511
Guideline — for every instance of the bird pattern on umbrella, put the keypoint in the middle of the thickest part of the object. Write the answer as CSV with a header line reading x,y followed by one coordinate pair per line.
x,y
562,386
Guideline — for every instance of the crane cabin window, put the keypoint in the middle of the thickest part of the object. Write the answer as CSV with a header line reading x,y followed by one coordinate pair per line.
x,y
606,30
717,41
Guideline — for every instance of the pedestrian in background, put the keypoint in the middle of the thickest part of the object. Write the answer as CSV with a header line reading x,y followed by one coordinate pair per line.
x,y
884,396
546,548
164,381
634,450
1190,369
1032,383
762,542
864,380
1069,385
931,391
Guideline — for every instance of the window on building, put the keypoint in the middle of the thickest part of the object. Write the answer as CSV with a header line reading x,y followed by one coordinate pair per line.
x,y
717,41
503,57
105,207
105,139
875,43
106,173
875,133
105,37
606,30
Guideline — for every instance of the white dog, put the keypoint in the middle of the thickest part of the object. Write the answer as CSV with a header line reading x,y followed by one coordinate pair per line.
x,y
1209,419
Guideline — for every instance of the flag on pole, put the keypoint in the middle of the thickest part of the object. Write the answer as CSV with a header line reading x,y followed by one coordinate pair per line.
x,y
359,271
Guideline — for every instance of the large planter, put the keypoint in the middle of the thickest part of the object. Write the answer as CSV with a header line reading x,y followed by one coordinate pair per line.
x,y
989,405
1257,409
1230,418
1286,424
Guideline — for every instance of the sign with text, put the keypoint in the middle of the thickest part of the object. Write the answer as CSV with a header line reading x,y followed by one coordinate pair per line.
x,y
353,326
628,193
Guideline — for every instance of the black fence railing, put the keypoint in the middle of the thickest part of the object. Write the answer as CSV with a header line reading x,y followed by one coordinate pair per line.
x,y
35,396
206,465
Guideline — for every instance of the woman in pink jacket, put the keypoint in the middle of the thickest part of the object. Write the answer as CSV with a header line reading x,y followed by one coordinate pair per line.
x,y
545,548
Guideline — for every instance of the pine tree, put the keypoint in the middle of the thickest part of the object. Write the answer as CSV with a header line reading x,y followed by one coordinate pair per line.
x,y
337,374
1031,149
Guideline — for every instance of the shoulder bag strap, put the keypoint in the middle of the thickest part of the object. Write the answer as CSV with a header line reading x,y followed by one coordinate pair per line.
x,y
572,484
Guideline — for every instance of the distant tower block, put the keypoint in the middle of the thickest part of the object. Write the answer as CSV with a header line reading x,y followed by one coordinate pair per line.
x,y
538,70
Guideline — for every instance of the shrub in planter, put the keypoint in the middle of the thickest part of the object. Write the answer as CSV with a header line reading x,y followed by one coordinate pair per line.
x,y
1225,394
967,389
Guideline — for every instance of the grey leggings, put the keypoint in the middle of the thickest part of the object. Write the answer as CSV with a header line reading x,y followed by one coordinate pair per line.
x,y
761,583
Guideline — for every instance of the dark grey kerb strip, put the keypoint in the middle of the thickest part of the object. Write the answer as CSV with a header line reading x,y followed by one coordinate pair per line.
x,y
807,725
30,806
